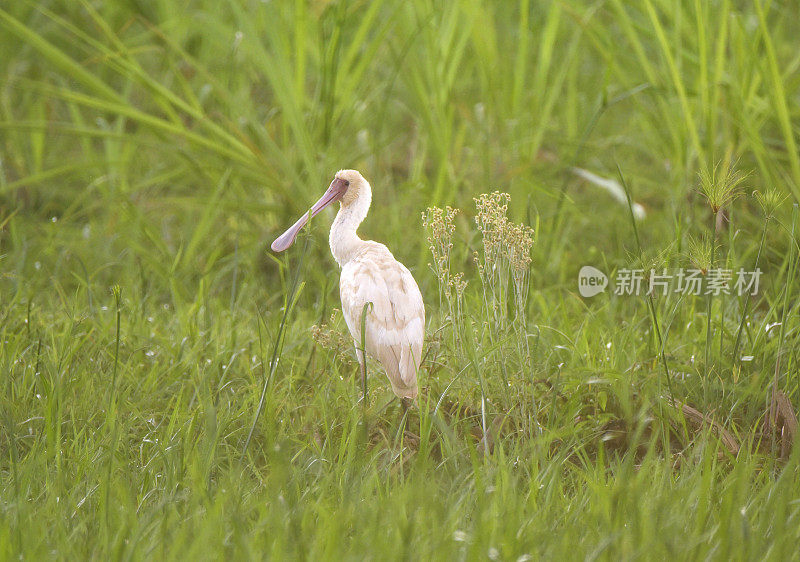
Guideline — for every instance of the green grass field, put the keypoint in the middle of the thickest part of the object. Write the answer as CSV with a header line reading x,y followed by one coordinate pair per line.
x,y
171,389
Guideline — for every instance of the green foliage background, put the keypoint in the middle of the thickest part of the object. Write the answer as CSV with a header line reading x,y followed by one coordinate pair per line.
x,y
159,146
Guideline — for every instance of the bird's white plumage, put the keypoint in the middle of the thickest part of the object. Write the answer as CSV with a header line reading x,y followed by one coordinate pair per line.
x,y
395,324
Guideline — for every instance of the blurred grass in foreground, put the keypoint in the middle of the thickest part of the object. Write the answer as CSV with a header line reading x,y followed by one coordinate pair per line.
x,y
159,146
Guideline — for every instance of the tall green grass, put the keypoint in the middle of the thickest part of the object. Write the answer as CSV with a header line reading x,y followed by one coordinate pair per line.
x,y
163,396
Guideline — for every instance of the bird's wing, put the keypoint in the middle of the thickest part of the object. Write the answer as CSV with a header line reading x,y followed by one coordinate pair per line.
x,y
395,325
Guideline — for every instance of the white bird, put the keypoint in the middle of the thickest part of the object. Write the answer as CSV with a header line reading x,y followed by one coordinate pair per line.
x,y
395,322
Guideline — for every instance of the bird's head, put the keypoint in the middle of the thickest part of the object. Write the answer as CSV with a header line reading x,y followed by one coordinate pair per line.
x,y
357,189
348,188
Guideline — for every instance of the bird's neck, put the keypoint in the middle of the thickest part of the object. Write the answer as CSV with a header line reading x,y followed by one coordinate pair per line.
x,y
344,239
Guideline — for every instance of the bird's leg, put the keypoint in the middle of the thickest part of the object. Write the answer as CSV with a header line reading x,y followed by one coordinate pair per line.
x,y
401,427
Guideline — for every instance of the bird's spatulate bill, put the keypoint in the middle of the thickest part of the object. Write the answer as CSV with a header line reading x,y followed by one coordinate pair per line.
x,y
331,195
286,239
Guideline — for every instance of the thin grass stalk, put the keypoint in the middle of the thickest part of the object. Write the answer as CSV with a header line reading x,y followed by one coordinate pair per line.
x,y
14,454
728,263
719,185
745,309
368,306
774,76
709,305
677,80
277,348
782,335
473,360
117,292
794,244
111,410
652,310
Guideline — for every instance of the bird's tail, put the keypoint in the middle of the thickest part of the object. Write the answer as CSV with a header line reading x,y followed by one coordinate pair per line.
x,y
408,365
